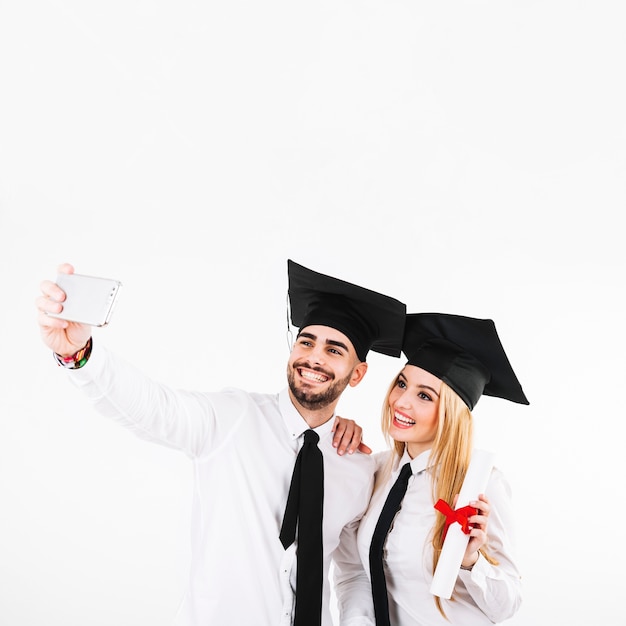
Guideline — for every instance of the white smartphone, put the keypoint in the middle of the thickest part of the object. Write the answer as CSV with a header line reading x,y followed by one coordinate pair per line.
x,y
89,299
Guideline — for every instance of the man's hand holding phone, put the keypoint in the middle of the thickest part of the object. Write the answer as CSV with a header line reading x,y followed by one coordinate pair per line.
x,y
69,307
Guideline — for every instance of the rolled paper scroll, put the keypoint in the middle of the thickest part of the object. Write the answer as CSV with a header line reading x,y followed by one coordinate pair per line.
x,y
455,543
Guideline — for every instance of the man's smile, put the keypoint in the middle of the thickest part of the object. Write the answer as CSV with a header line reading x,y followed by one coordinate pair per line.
x,y
313,376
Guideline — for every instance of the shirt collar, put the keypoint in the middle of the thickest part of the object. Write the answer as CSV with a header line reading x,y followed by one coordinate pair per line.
x,y
294,422
418,464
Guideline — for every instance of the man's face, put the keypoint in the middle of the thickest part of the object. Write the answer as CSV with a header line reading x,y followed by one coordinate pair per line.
x,y
321,366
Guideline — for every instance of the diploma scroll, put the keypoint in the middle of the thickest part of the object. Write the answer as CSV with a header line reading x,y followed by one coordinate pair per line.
x,y
455,543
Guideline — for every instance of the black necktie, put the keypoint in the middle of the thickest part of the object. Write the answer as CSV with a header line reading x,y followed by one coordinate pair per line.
x,y
377,573
305,505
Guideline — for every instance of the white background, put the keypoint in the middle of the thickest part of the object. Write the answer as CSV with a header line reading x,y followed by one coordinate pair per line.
x,y
465,157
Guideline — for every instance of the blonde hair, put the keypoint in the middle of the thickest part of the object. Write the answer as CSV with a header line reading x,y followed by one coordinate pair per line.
x,y
449,457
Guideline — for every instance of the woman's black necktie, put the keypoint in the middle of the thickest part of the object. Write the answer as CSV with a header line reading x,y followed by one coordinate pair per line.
x,y
377,572
305,505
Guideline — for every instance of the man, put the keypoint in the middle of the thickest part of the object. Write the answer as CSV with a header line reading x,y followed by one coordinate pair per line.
x,y
245,549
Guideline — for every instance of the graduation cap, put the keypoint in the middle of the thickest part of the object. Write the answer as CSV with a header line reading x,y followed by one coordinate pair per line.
x,y
372,321
464,352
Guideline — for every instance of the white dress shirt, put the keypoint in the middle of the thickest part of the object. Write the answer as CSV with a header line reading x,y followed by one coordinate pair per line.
x,y
487,594
243,448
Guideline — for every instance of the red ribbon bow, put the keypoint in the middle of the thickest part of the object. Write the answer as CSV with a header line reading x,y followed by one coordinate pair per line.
x,y
461,516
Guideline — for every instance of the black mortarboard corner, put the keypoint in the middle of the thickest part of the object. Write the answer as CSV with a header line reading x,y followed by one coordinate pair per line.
x,y
372,321
464,352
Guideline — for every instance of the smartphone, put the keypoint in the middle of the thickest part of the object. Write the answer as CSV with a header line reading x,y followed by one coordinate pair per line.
x,y
89,299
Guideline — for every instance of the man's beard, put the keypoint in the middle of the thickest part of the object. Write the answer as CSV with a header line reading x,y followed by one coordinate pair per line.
x,y
313,401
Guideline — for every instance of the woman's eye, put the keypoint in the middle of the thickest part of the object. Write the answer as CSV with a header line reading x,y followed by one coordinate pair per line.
x,y
401,384
424,396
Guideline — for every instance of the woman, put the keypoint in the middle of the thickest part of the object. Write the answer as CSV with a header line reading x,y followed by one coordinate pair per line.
x,y
452,361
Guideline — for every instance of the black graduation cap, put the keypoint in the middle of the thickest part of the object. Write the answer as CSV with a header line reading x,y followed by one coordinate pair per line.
x,y
465,352
372,321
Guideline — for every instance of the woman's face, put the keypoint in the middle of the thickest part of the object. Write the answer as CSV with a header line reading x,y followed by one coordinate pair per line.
x,y
414,403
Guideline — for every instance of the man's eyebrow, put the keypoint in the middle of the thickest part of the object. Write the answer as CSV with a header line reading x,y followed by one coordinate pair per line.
x,y
339,344
329,342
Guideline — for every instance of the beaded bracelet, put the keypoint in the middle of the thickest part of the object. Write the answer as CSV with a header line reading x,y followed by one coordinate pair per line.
x,y
77,360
